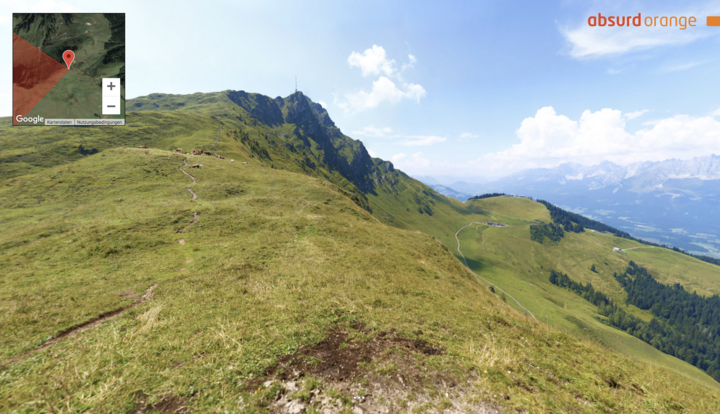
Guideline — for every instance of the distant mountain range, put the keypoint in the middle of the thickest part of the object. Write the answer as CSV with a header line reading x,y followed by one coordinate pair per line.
x,y
672,201
642,176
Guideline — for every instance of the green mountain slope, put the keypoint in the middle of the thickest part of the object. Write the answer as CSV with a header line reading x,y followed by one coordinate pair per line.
x,y
508,257
290,133
276,264
311,240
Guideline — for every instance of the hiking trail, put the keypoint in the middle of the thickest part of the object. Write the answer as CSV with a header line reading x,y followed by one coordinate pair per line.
x,y
98,320
185,172
84,326
196,215
482,278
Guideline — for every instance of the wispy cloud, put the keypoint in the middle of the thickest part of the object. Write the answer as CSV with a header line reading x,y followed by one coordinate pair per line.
x,y
616,70
685,66
371,131
421,140
413,162
633,115
467,135
586,42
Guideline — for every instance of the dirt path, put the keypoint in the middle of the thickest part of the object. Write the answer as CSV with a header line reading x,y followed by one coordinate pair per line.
x,y
196,215
633,248
185,172
92,323
481,278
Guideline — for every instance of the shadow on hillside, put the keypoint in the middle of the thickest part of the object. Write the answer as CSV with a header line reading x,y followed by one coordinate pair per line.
x,y
475,265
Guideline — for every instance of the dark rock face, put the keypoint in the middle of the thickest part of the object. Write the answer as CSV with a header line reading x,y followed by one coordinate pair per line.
x,y
261,107
314,127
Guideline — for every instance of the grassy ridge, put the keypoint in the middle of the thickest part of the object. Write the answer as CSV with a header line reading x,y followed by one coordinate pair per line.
x,y
274,261
508,257
281,255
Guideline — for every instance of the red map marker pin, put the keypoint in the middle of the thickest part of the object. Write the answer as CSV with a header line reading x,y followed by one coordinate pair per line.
x,y
68,56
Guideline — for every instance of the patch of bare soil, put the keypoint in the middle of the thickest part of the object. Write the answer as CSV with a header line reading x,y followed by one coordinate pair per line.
x,y
386,373
92,323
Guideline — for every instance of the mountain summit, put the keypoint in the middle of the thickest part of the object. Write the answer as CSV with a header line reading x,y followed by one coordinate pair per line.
x,y
298,134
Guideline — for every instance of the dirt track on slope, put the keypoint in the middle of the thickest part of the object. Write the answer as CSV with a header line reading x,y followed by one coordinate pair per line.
x,y
196,216
92,323
185,172
481,278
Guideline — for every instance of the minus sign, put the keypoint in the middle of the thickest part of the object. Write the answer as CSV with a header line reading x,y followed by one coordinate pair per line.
x,y
111,106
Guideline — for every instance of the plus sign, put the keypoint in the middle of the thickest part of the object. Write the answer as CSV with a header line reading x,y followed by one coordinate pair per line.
x,y
111,86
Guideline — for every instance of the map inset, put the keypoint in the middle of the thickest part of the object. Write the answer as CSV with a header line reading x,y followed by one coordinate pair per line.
x,y
46,91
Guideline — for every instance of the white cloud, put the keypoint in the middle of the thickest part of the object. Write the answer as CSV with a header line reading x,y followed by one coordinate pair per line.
x,y
414,91
414,162
383,90
715,112
549,139
410,64
586,42
323,104
467,135
652,122
371,131
371,152
389,87
633,115
421,140
372,61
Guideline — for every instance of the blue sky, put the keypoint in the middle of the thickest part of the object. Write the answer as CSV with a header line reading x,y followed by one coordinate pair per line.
x,y
464,88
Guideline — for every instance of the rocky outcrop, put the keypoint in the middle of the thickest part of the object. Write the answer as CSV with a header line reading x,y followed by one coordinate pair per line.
x,y
261,107
341,153
315,128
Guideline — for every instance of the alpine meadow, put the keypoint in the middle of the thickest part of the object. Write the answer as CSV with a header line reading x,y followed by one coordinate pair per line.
x,y
231,252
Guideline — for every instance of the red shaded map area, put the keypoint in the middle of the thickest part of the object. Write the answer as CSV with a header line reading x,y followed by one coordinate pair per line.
x,y
34,74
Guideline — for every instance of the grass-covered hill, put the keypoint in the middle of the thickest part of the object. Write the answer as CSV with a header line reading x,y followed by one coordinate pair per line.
x,y
313,278
280,272
509,257
292,134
